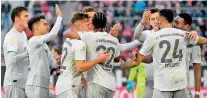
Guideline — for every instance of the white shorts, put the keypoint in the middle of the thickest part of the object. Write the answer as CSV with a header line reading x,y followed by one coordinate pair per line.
x,y
14,92
37,92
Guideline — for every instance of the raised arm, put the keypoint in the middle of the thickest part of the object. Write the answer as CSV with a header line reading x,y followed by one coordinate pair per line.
x,y
140,27
129,46
53,33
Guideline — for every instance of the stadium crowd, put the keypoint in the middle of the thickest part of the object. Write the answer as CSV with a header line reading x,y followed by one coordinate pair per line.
x,y
128,13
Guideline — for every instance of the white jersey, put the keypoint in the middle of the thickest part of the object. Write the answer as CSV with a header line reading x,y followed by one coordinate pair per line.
x,y
41,58
148,67
168,47
193,56
72,50
14,45
101,73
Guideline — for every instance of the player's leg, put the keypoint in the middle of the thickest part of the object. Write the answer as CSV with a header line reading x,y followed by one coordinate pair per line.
x,y
95,91
162,94
184,93
148,92
37,92
14,92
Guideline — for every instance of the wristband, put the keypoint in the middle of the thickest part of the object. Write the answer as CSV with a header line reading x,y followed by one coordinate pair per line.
x,y
197,93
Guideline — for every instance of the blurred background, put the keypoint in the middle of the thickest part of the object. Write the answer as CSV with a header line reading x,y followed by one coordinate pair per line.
x,y
128,13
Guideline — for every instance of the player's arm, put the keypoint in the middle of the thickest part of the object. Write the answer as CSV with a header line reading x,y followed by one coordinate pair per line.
x,y
51,35
148,58
129,46
71,34
196,59
140,27
80,57
202,41
147,47
11,50
18,57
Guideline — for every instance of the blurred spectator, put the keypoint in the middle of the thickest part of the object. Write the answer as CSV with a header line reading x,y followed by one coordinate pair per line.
x,y
139,7
5,15
128,13
57,54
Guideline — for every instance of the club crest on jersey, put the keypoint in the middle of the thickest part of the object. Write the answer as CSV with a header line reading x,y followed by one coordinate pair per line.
x,y
11,40
82,48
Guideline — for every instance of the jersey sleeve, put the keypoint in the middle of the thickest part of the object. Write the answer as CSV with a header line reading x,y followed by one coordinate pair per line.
x,y
38,40
196,54
191,41
147,46
80,51
11,43
129,46
143,36
138,31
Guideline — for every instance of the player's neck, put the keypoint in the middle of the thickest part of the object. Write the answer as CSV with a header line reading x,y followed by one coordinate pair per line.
x,y
166,25
36,33
75,29
18,27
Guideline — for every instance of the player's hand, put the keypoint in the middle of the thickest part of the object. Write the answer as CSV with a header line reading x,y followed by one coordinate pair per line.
x,y
145,16
58,11
115,30
192,35
129,86
83,80
197,96
122,65
135,54
103,56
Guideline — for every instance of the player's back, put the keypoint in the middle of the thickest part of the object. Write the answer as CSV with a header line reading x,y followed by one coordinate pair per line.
x,y
169,59
69,76
101,73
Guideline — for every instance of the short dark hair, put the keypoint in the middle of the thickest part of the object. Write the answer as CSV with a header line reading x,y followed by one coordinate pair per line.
x,y
34,20
78,16
187,18
154,10
88,9
99,21
59,51
16,12
167,14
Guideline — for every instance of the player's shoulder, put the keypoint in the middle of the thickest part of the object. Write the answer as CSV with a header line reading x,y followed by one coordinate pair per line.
x,y
76,42
147,31
33,39
11,33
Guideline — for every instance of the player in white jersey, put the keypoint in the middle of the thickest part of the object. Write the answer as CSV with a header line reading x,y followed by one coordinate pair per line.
x,y
16,55
73,60
183,22
168,47
153,19
40,56
101,81
90,11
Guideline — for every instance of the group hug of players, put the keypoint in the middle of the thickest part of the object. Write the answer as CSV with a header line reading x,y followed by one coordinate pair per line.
x,y
90,50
